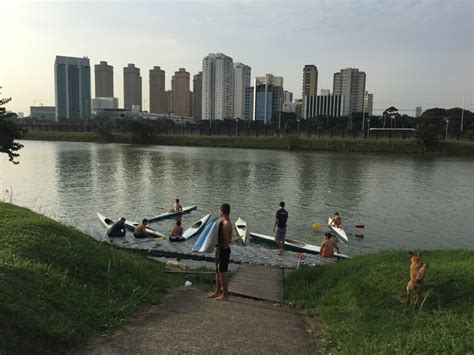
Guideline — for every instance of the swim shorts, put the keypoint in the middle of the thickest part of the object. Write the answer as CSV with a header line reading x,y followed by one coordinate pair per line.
x,y
222,259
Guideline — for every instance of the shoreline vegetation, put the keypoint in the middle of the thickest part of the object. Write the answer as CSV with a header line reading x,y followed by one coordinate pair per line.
x,y
286,143
62,287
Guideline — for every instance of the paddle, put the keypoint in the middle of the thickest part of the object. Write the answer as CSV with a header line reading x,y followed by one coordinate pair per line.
x,y
144,241
319,225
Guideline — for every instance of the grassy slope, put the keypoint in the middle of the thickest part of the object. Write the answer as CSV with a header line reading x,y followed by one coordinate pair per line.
x,y
361,304
59,286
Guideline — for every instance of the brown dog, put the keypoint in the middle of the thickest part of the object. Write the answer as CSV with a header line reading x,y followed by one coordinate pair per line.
x,y
417,275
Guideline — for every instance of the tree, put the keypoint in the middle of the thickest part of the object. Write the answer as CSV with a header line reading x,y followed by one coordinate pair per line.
x,y
9,131
141,131
429,128
392,114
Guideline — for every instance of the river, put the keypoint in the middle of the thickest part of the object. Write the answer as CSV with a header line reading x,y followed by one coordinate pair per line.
x,y
404,201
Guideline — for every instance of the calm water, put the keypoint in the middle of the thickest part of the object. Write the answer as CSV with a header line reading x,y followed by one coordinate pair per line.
x,y
404,201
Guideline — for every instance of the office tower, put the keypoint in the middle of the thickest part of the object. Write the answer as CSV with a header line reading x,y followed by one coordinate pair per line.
x,y
325,92
350,83
132,87
157,90
310,80
418,111
217,87
181,93
197,96
72,81
272,103
323,105
368,102
242,75
104,80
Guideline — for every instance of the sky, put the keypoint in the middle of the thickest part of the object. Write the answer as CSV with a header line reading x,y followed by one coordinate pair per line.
x,y
414,52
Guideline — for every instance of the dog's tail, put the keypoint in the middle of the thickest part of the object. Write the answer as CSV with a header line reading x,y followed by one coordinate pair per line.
x,y
421,274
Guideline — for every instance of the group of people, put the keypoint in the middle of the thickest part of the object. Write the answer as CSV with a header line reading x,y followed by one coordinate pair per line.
x,y
328,246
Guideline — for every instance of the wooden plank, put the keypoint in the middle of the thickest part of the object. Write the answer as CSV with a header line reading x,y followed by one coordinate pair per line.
x,y
259,282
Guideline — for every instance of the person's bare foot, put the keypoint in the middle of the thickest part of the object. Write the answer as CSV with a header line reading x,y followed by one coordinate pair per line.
x,y
214,295
222,298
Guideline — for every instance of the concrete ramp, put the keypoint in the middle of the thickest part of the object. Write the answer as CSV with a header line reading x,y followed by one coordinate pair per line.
x,y
259,282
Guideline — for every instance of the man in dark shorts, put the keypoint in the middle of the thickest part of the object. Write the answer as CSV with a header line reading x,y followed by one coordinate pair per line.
x,y
224,239
118,229
280,227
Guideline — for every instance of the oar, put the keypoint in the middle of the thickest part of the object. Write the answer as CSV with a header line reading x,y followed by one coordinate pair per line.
x,y
319,225
144,241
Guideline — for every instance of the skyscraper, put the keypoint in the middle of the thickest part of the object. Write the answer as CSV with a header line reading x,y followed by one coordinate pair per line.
x,y
72,82
197,97
310,81
242,74
181,93
169,101
104,80
132,87
350,83
267,97
368,102
217,87
157,90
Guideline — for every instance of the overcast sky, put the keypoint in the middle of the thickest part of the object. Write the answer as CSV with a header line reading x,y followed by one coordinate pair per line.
x,y
414,52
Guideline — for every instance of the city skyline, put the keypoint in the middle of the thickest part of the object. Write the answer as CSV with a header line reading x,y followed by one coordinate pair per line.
x,y
401,53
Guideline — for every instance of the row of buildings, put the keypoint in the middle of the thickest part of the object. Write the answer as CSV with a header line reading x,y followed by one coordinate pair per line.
x,y
224,89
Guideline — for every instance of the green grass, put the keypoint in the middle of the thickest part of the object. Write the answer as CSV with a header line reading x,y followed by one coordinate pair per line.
x,y
59,286
360,304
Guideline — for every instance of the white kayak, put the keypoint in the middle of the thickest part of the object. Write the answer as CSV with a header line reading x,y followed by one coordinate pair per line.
x,y
293,245
196,227
129,225
208,238
241,227
172,214
339,232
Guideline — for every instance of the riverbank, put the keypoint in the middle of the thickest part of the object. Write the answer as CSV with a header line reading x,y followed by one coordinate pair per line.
x,y
291,142
360,304
60,286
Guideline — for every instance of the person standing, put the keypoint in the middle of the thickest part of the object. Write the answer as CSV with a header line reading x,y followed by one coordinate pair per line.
x,y
279,228
224,239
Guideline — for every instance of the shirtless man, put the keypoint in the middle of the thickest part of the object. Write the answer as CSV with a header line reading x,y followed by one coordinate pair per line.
x,y
336,220
222,254
176,234
176,206
328,246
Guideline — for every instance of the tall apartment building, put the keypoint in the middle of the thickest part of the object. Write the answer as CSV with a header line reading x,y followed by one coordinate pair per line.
x,y
368,103
350,82
157,90
242,75
197,96
181,93
104,80
132,87
310,81
169,101
72,84
217,87
287,96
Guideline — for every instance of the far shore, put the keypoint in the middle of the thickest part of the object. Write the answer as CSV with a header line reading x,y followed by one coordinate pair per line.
x,y
286,143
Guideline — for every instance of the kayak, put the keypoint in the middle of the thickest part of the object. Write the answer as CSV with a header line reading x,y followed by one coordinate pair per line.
x,y
166,215
241,227
293,245
107,222
196,227
339,232
208,238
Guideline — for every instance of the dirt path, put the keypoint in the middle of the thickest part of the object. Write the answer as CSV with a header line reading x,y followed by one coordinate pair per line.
x,y
188,322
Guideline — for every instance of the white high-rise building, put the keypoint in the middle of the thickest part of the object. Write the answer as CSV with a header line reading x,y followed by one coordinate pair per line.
x,y
369,103
217,87
72,84
350,82
242,74
418,111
